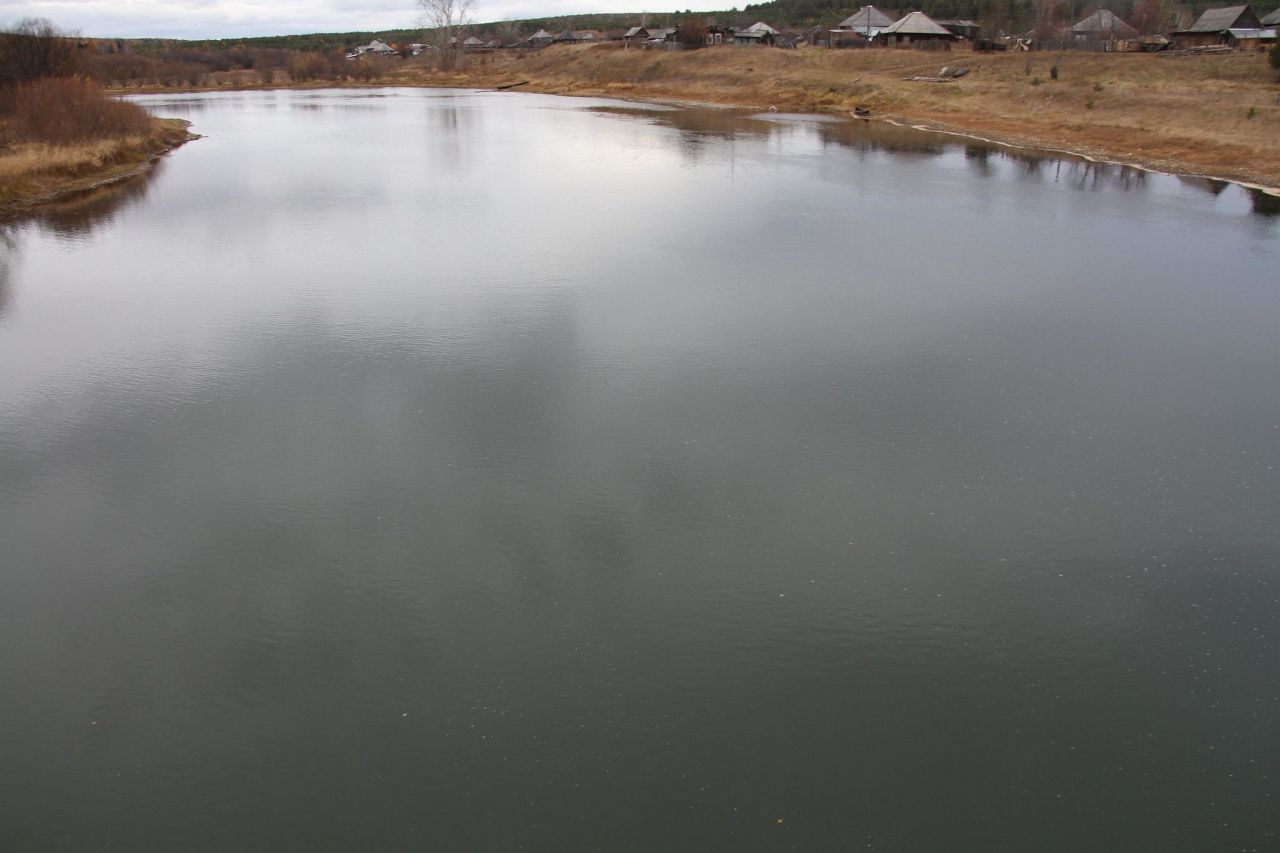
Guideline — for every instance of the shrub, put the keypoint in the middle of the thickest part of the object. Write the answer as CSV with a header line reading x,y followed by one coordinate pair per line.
x,y
1274,56
66,110
34,48
691,34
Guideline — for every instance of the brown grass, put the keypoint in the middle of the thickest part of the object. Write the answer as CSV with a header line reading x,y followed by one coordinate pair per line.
x,y
31,172
1212,114
69,110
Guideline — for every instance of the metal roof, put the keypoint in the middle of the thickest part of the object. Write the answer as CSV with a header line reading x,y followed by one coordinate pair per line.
x,y
916,24
762,27
1217,20
1105,21
1272,19
867,16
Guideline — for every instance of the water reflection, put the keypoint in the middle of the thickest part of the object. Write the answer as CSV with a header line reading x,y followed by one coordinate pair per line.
x,y
481,443
1264,203
80,214
8,249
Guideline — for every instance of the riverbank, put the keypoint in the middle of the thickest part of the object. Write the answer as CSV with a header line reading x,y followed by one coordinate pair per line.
x,y
1212,115
33,173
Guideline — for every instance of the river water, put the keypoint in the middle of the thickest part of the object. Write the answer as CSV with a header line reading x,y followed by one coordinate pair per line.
x,y
450,470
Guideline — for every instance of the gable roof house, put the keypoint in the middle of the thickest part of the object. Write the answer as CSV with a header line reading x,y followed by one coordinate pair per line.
x,y
750,36
859,28
1212,28
917,28
541,37
868,20
1103,25
375,47
963,27
1251,38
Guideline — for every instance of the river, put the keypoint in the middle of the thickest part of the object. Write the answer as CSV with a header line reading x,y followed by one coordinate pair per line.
x,y
448,470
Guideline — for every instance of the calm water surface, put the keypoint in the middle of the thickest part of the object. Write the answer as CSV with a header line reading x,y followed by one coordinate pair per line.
x,y
432,470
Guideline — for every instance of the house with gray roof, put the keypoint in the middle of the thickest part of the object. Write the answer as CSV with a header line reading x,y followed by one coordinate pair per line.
x,y
1103,25
868,20
373,48
916,28
1272,20
864,24
1212,28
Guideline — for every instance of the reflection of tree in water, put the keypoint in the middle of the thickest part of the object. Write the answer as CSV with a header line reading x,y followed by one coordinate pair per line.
x,y
979,156
7,251
1210,185
81,214
698,128
868,136
1264,204
1091,175
701,127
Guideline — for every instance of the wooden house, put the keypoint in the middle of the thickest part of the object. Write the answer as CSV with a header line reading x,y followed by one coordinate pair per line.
x,y
717,34
757,33
860,28
750,37
963,27
541,38
635,35
917,29
1252,39
1212,28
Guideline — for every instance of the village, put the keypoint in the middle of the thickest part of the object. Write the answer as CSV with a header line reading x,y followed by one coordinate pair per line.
x,y
1218,29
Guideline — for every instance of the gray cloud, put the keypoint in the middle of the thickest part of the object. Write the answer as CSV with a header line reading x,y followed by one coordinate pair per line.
x,y
235,18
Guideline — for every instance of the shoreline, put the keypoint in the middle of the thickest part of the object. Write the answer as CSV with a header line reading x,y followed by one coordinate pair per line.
x,y
1213,117
1092,158
929,126
87,168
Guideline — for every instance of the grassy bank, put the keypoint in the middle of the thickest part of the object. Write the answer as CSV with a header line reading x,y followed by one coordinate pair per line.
x,y
60,135
1211,114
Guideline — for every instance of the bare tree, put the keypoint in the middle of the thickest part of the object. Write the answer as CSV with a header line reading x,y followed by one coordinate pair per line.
x,y
34,48
446,20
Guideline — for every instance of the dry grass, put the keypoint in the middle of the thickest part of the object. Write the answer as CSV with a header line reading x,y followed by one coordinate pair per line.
x,y
68,110
35,171
1214,114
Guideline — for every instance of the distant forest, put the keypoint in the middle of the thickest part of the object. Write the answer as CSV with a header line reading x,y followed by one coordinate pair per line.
x,y
1016,15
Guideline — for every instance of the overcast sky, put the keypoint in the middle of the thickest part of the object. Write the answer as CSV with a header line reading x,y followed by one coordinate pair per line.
x,y
232,18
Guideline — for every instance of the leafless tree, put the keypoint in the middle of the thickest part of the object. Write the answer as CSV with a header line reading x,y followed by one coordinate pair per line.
x,y
446,19
34,48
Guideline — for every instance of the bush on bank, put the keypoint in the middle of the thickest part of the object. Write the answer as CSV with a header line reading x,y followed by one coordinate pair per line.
x,y
69,110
